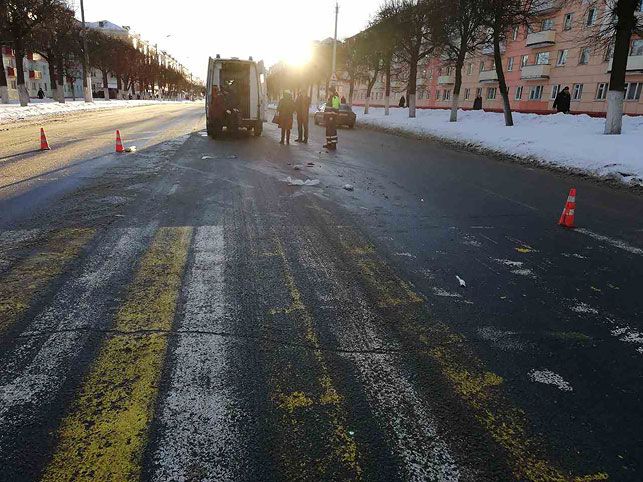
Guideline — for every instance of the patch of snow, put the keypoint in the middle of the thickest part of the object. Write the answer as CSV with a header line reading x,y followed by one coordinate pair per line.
x,y
548,377
575,142
584,308
445,294
511,264
13,112
406,255
523,272
298,182
617,243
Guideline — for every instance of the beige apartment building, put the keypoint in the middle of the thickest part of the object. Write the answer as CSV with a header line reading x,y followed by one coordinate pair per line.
x,y
556,51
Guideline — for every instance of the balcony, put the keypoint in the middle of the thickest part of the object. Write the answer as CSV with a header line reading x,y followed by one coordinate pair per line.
x,y
446,80
488,76
535,72
634,64
541,39
546,6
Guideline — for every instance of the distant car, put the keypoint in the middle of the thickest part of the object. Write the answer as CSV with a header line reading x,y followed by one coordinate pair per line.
x,y
346,116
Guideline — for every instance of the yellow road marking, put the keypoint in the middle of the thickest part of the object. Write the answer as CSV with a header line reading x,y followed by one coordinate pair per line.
x,y
105,434
478,387
296,406
19,286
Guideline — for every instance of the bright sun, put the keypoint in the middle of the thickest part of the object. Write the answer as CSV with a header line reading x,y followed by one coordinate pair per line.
x,y
299,55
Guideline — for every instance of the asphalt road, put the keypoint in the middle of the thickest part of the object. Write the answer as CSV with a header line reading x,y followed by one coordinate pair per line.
x,y
182,313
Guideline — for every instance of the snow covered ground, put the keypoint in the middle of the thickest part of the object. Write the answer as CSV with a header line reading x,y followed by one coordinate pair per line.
x,y
574,142
48,107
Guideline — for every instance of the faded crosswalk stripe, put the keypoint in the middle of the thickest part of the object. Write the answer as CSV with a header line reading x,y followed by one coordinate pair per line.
x,y
105,434
32,374
200,419
31,275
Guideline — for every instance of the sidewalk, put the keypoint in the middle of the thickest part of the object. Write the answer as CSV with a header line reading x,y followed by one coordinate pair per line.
x,y
48,107
571,142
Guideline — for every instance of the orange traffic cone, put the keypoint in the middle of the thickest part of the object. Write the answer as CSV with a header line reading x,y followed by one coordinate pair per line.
x,y
119,143
44,145
567,218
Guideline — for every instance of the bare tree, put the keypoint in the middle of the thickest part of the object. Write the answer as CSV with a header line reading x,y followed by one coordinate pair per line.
x,y
411,21
620,24
18,21
4,87
384,29
458,31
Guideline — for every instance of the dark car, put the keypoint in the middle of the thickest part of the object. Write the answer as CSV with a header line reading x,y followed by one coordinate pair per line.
x,y
346,116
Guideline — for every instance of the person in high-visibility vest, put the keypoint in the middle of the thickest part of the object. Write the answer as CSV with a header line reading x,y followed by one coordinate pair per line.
x,y
332,109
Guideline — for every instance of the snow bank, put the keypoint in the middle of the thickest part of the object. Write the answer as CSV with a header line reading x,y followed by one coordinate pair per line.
x,y
48,107
574,142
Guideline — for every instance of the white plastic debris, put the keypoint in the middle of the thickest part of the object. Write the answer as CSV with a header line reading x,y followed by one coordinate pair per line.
x,y
207,157
299,182
349,187
130,149
461,281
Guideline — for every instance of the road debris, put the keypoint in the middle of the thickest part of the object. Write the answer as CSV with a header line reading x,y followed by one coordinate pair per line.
x,y
349,187
299,182
130,149
297,167
461,281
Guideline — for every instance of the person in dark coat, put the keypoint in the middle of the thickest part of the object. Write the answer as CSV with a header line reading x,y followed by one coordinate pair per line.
x,y
285,110
477,104
563,101
302,106
41,94
402,102
343,100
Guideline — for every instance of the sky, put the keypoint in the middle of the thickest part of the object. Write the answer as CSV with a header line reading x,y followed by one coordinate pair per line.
x,y
272,30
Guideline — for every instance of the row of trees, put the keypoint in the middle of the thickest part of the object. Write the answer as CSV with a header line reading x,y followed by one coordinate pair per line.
x,y
49,28
403,33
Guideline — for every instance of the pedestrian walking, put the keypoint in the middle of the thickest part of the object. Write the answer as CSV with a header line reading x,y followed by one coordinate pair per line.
x,y
302,105
285,109
41,94
330,115
402,102
563,101
342,100
477,103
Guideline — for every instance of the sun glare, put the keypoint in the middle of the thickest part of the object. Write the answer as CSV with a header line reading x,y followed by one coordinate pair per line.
x,y
299,55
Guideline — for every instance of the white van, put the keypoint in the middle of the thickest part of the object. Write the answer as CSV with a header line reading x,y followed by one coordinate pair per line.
x,y
235,95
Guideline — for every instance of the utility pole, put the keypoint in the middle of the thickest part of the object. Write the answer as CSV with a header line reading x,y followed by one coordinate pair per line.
x,y
333,76
87,79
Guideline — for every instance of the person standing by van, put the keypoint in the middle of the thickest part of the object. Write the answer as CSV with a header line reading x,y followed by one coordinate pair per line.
x,y
285,109
332,109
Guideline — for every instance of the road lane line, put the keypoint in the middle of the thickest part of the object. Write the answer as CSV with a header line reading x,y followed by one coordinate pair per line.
x,y
200,421
617,243
21,284
33,374
410,426
105,433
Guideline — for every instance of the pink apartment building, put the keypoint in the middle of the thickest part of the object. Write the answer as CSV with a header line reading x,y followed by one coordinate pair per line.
x,y
539,61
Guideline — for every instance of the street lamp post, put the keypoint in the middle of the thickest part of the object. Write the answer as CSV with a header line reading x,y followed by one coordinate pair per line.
x,y
87,80
333,77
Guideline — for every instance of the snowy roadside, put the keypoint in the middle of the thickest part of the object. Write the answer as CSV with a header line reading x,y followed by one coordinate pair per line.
x,y
45,108
572,142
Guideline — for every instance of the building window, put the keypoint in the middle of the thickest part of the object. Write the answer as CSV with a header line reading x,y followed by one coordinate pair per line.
x,y
536,92
609,51
467,94
578,92
524,60
584,56
592,13
542,58
569,21
479,92
469,68
562,57
437,95
633,91
491,93
510,64
548,24
601,91
514,34
481,67
637,46
446,94
518,95
554,91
